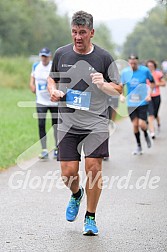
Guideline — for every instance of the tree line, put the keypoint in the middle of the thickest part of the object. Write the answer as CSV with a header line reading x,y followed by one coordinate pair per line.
x,y
28,25
148,38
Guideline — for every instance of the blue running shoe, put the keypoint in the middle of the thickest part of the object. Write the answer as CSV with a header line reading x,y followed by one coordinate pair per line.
x,y
73,207
90,227
44,154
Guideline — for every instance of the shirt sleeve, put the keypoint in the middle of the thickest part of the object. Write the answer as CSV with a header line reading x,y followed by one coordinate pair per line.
x,y
160,75
33,69
149,76
112,74
54,73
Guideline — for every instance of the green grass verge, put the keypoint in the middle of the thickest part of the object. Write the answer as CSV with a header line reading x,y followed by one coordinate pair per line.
x,y
14,72
122,111
18,128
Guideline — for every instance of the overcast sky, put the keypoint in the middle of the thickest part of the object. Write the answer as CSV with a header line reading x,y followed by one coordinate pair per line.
x,y
107,9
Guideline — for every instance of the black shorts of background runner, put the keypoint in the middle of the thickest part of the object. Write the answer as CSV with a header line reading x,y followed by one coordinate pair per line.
x,y
138,112
154,105
95,145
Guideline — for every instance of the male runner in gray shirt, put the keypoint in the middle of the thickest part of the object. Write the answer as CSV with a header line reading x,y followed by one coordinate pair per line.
x,y
87,75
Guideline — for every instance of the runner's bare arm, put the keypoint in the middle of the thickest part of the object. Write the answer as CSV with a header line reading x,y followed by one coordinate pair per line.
x,y
152,86
161,83
122,95
109,88
32,84
55,94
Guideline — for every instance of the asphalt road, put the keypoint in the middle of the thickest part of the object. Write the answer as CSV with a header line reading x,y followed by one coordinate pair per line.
x,y
131,214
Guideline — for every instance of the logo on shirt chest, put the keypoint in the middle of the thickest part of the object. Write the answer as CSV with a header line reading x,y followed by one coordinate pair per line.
x,y
68,65
90,68
134,82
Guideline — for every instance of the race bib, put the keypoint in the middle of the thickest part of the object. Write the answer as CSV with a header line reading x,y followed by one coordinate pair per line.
x,y
42,86
135,98
77,99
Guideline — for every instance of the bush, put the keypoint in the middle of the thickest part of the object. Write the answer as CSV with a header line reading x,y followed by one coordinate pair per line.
x,y
15,72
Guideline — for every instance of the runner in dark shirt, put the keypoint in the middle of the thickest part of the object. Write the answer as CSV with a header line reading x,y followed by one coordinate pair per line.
x,y
85,75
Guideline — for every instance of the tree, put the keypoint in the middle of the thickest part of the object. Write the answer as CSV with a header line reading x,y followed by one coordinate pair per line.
x,y
164,3
27,25
103,38
148,39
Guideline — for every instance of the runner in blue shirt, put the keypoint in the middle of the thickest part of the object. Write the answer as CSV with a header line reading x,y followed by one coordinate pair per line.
x,y
138,96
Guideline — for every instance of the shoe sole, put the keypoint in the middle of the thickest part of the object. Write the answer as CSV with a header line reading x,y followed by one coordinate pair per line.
x,y
137,154
72,220
90,233
44,159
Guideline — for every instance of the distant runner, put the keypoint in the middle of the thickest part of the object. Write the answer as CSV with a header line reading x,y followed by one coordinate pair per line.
x,y
155,102
38,85
164,67
138,96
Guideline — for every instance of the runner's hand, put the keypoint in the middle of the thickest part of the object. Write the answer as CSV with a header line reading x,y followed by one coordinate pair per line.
x,y
33,89
56,95
97,79
122,98
148,98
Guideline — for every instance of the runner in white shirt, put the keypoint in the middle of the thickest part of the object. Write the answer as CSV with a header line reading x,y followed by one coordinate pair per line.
x,y
38,85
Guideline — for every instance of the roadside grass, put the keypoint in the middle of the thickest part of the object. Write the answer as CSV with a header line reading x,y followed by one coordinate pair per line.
x,y
18,128
122,111
14,72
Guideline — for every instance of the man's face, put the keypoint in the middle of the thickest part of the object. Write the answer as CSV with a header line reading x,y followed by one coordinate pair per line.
x,y
81,36
133,63
45,60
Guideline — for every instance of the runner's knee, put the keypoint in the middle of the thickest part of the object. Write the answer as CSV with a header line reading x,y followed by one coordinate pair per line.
x,y
93,169
68,170
142,124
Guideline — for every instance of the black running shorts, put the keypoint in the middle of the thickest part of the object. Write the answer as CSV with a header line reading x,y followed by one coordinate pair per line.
x,y
138,112
154,105
95,145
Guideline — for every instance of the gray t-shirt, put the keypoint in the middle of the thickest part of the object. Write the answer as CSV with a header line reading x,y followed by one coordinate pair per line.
x,y
84,106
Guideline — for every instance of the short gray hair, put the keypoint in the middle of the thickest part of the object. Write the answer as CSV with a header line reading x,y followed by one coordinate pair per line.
x,y
82,18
